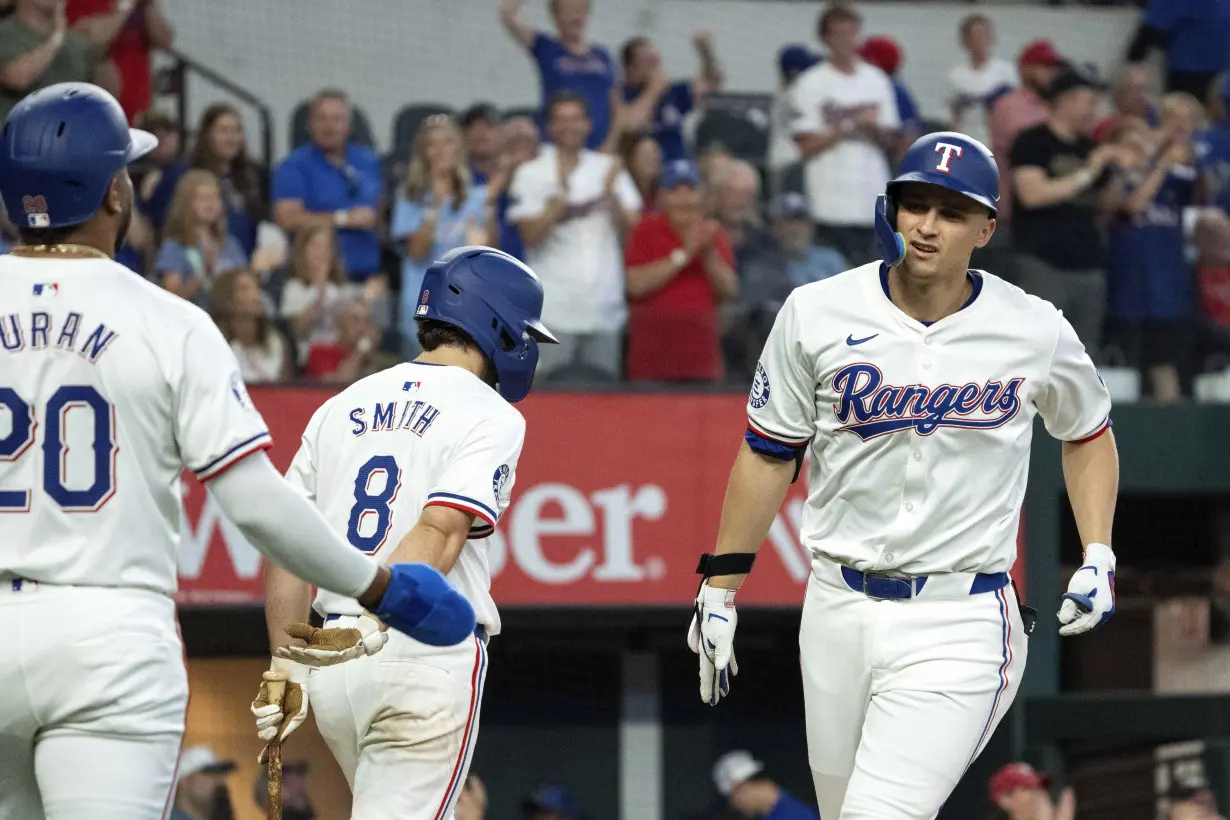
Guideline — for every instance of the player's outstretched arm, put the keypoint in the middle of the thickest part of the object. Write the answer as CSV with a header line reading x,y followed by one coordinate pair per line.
x,y
1091,473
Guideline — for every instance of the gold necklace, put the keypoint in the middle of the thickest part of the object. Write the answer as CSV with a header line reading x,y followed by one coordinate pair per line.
x,y
64,247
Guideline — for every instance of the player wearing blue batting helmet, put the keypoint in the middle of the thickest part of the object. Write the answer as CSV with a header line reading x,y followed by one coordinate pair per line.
x,y
60,149
497,301
947,159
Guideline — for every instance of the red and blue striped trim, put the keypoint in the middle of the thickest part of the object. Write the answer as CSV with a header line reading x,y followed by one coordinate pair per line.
x,y
215,468
1006,632
751,426
467,743
1102,428
465,504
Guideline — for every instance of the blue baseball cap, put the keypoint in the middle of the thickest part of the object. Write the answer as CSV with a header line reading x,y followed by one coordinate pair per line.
x,y
551,798
795,58
680,172
790,205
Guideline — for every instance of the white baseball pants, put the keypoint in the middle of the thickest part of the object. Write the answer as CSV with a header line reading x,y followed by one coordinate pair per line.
x,y
902,695
93,694
402,724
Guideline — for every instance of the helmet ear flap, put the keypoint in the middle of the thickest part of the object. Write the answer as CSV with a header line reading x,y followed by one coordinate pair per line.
x,y
892,244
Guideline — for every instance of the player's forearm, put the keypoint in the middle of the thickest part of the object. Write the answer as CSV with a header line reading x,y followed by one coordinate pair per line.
x,y
287,600
285,527
754,494
436,539
1091,473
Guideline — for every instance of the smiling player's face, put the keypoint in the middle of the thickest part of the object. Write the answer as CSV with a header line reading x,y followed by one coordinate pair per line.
x,y
941,229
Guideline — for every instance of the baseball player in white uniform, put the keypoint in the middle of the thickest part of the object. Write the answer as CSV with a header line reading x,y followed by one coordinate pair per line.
x,y
912,383
415,463
109,386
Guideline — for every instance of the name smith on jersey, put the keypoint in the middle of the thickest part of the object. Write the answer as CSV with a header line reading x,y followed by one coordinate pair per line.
x,y
400,414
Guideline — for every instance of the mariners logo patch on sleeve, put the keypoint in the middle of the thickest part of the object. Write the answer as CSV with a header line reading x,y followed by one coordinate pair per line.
x,y
760,388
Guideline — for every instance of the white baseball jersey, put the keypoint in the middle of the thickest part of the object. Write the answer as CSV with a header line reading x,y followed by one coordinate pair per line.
x,y
109,386
414,435
919,435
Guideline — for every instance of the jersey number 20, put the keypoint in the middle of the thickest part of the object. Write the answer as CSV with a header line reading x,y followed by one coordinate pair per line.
x,y
21,435
376,468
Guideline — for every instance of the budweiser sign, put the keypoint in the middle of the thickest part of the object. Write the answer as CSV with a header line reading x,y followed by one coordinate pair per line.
x,y
612,506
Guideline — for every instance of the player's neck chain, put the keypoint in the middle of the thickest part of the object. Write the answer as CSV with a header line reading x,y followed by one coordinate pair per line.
x,y
65,247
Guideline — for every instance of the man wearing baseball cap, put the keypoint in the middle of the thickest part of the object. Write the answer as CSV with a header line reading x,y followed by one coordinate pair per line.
x,y
679,267
738,778
1021,792
1018,109
1059,175
783,154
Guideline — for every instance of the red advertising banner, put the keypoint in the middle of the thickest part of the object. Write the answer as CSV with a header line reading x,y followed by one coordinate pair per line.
x,y
617,495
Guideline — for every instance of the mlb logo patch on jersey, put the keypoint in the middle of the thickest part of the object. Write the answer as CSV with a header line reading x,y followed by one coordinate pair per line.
x,y
410,387
46,289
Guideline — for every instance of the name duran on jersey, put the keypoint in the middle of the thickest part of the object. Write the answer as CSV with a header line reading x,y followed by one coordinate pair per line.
x,y
869,408
19,332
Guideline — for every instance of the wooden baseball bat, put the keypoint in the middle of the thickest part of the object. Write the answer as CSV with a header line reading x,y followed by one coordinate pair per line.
x,y
273,753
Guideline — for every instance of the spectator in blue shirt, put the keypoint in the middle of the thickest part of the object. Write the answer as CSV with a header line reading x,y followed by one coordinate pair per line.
x,y
438,209
570,63
885,54
805,261
1195,35
196,247
1212,146
653,102
333,181
738,777
1149,283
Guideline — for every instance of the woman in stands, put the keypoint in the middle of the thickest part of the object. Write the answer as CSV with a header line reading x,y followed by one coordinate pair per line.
x,y
238,308
438,209
222,149
196,245
643,158
316,284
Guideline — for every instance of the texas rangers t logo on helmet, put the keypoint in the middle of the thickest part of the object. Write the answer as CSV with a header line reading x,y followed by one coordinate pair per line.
x,y
948,150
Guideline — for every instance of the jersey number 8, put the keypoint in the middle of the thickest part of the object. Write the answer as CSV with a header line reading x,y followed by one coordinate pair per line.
x,y
365,504
24,424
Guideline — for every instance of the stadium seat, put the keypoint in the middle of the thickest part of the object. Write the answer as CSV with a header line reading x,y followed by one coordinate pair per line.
x,y
360,129
406,125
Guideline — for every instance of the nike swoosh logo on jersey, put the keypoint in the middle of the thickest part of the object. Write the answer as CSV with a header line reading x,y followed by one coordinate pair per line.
x,y
850,340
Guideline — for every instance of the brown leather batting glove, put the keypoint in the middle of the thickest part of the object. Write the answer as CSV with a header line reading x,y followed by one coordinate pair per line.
x,y
326,647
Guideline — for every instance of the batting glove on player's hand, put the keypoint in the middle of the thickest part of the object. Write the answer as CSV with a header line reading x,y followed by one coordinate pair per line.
x,y
327,647
1090,599
712,637
277,718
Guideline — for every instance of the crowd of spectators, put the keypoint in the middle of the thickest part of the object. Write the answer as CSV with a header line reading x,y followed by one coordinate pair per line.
x,y
664,260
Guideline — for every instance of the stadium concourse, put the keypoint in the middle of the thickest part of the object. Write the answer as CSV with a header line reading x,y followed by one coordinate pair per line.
x,y
672,171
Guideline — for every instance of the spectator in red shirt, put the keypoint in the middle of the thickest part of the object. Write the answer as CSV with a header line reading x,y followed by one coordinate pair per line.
x,y
128,30
357,351
679,267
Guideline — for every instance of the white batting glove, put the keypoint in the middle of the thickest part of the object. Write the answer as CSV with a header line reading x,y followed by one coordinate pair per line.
x,y
327,647
278,717
712,637
1090,599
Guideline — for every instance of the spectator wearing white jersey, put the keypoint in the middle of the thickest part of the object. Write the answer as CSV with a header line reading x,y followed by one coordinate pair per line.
x,y
978,79
573,206
784,156
845,119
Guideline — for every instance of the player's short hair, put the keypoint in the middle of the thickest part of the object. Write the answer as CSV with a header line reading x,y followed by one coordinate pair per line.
x,y
972,20
433,334
46,236
565,97
838,12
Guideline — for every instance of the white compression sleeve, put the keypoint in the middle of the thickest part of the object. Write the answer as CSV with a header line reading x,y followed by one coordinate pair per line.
x,y
287,528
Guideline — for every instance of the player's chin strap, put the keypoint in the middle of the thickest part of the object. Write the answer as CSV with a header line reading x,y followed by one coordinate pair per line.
x,y
892,244
730,563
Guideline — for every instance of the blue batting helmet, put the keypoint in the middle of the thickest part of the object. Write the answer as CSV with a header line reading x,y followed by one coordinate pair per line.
x,y
498,302
59,149
945,158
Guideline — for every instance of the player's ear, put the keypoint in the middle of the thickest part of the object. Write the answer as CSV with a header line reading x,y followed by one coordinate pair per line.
x,y
988,230
113,202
